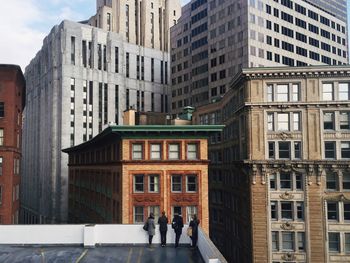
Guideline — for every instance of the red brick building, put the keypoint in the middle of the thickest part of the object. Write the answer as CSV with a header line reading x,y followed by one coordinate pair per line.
x,y
126,172
12,97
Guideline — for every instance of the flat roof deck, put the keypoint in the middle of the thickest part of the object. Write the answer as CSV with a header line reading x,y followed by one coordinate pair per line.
x,y
116,254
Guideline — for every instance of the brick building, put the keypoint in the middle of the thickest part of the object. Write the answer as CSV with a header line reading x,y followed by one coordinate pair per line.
x,y
126,172
279,173
12,94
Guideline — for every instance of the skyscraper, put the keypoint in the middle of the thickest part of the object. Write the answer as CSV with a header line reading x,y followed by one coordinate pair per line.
x,y
80,81
214,39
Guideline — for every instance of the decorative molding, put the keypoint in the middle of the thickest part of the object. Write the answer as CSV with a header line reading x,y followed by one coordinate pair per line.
x,y
263,174
310,173
289,257
141,199
284,136
286,196
287,226
320,173
182,199
339,197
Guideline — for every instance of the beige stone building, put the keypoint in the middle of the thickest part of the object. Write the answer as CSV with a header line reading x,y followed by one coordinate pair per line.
x,y
279,179
141,22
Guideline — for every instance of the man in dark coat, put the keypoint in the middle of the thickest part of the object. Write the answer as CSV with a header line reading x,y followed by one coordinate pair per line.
x,y
177,225
163,228
194,225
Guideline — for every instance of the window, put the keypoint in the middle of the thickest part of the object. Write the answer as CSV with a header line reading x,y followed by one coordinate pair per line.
x,y
347,242
72,50
273,181
295,92
283,121
346,211
271,150
296,121
344,120
270,121
191,183
274,211
287,210
155,210
176,183
328,93
192,151
153,183
332,210
286,181
328,120
176,210
301,241
288,241
345,150
344,91
174,151
275,241
137,151
284,150
329,150
156,151
346,180
190,211
0,166
300,210
333,242
331,181
138,214
270,93
1,136
2,109
282,92
299,182
138,183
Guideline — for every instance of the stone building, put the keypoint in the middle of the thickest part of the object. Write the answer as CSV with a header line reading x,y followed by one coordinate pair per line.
x,y
80,81
12,95
214,39
279,178
126,172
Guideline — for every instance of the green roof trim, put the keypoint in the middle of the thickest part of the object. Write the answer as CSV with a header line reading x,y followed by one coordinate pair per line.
x,y
151,132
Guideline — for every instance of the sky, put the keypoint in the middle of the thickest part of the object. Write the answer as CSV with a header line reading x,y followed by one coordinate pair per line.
x,y
25,23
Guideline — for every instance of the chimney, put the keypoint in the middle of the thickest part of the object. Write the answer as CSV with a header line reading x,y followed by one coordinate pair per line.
x,y
129,117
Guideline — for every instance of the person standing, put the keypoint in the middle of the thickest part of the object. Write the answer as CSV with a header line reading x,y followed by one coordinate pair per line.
x,y
163,228
177,224
151,228
194,225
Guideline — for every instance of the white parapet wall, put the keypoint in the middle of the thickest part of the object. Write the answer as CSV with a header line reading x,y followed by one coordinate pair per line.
x,y
208,250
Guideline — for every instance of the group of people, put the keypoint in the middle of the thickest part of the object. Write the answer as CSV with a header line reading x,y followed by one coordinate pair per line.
x,y
177,224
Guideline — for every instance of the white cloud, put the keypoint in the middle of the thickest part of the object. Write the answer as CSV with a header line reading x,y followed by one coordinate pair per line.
x,y
19,41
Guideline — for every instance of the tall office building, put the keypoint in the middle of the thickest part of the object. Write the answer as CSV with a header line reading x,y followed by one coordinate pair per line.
x,y
214,39
279,177
81,80
12,95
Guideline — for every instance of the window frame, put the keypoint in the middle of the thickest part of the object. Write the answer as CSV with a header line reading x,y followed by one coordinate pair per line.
x,y
189,151
157,184
152,151
178,151
178,183
139,214
135,183
195,183
141,151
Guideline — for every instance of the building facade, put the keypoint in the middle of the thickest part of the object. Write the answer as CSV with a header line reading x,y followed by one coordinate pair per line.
x,y
279,172
214,39
126,172
80,81
12,95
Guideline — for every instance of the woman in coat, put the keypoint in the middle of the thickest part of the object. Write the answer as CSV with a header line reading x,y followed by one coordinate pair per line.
x,y
151,228
194,225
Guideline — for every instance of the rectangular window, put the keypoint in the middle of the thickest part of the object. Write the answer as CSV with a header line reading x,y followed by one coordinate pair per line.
x,y
297,150
2,109
296,121
329,150
288,241
190,211
331,181
270,121
287,210
156,153
283,121
332,210
72,50
99,56
138,214
1,166
284,150
153,183
282,92
270,93
345,150
271,150
116,59
138,183
328,92
1,136
127,64
344,91
174,151
191,183
274,211
137,151
192,151
333,242
301,241
347,211
156,211
273,182
299,182
275,241
285,181
344,120
300,210
347,242
346,180
176,183
328,120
